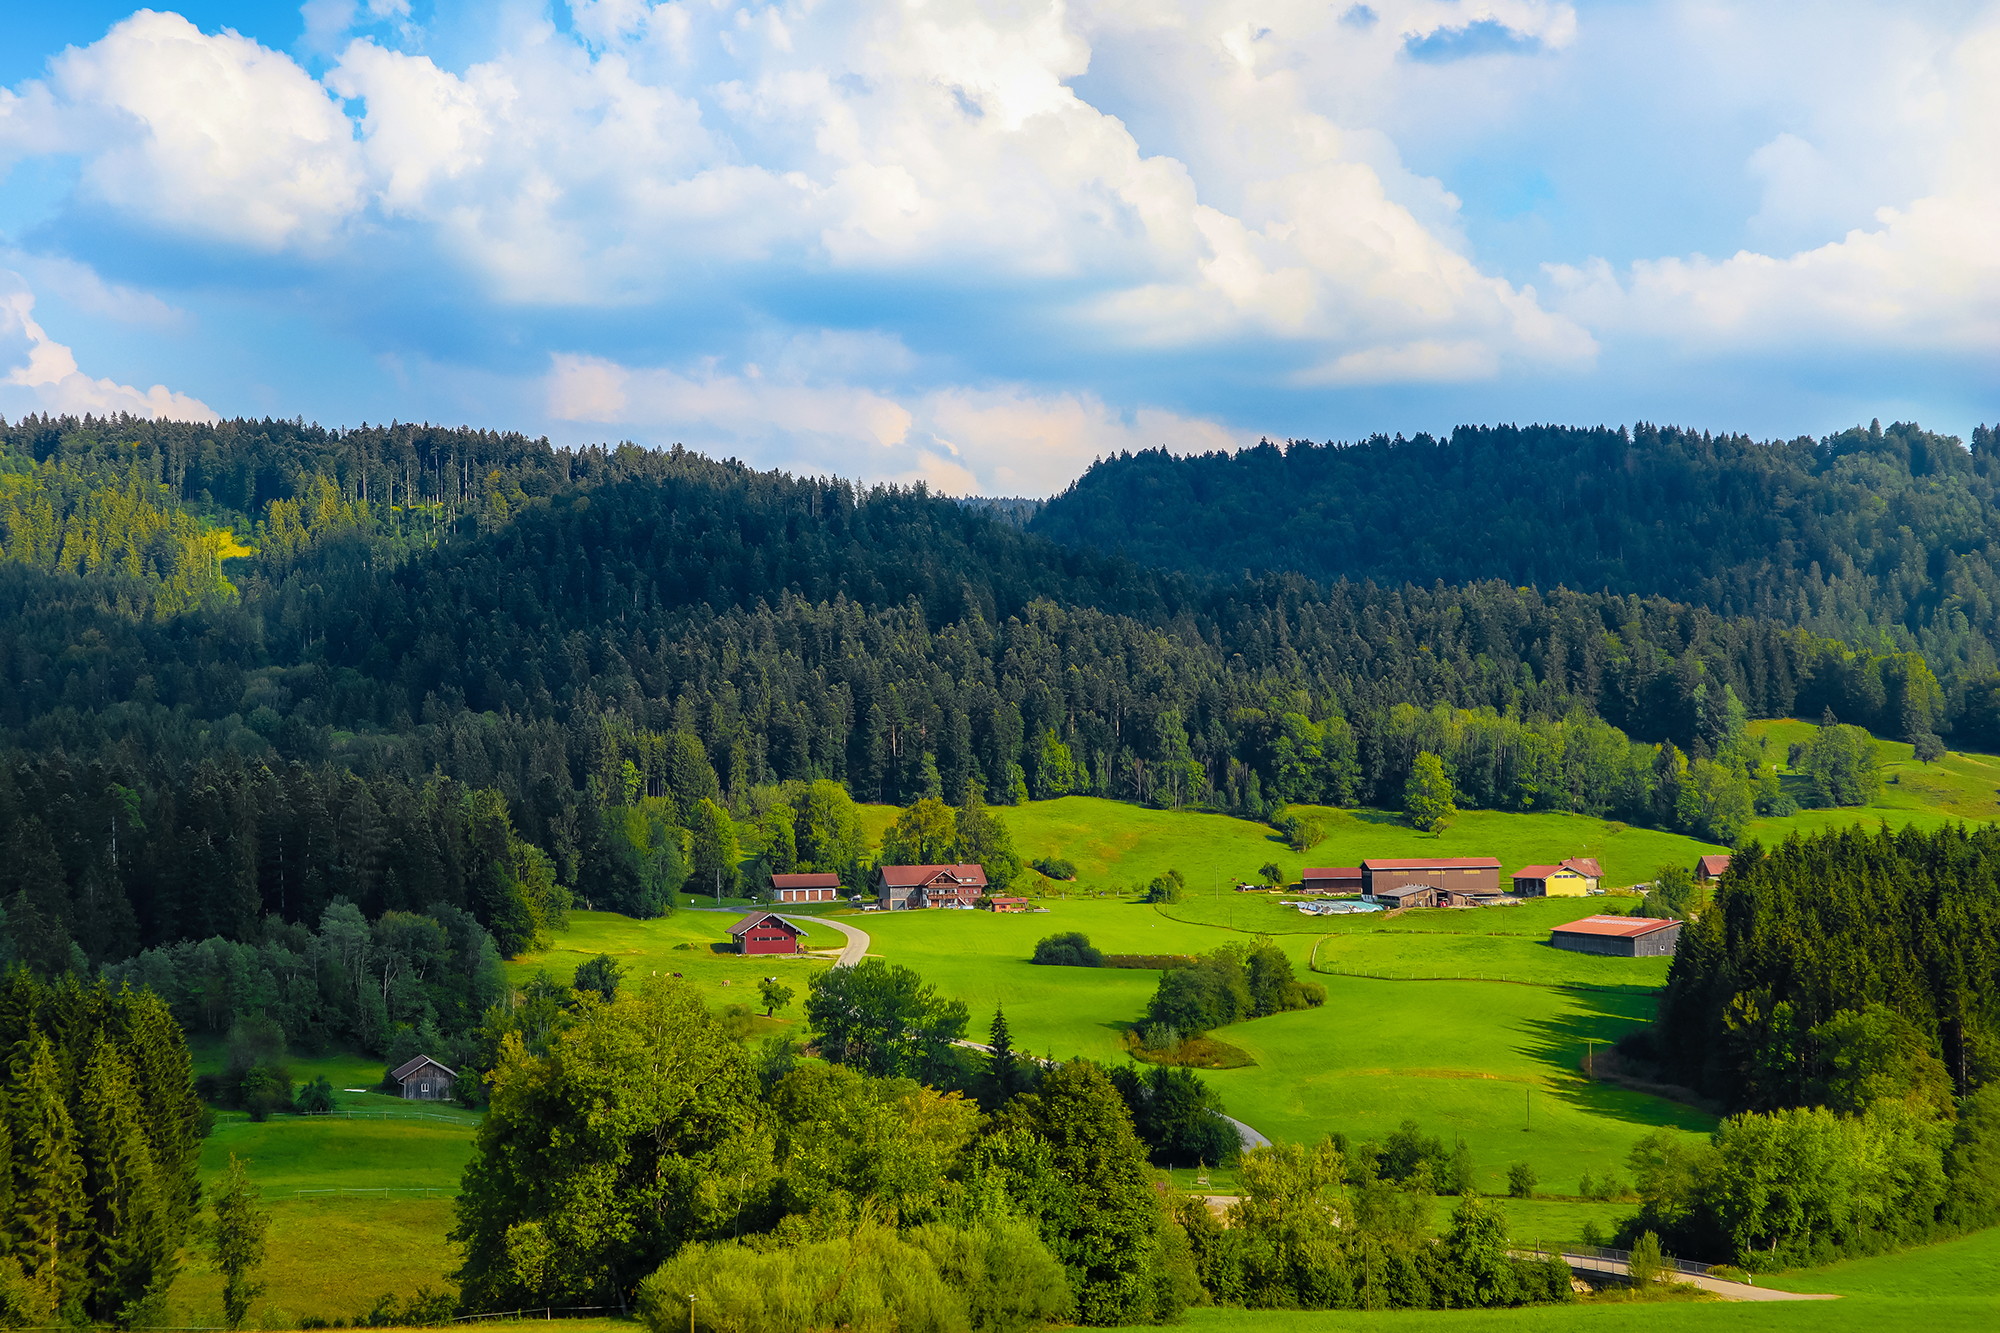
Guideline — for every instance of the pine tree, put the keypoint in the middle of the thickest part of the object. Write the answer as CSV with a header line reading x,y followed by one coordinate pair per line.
x,y
238,1241
133,1246
49,1220
1004,1068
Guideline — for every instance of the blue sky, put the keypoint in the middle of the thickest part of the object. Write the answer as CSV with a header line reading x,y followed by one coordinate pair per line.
x,y
981,244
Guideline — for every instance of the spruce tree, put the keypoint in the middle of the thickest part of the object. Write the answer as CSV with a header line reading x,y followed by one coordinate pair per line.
x,y
238,1241
133,1249
50,1218
1004,1068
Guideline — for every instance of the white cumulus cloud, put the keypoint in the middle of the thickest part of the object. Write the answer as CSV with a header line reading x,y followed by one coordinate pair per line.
x,y
42,374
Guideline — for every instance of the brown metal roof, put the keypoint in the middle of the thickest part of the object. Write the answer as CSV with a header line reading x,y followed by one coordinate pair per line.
x,y
910,877
1619,927
409,1067
1585,865
817,880
1331,872
1440,863
756,919
1713,865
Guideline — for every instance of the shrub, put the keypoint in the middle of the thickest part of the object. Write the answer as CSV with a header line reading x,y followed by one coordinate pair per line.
x,y
316,1097
1055,867
1521,1181
1070,948
1645,1266
1593,1236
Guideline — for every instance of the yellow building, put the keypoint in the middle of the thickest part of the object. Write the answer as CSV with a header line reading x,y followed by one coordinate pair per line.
x,y
1563,881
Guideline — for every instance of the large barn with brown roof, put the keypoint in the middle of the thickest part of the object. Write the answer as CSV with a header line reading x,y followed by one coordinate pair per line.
x,y
1451,879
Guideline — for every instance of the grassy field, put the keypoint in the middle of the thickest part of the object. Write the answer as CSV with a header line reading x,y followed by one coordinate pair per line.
x,y
382,1226
1114,844
1959,787
1461,1057
646,947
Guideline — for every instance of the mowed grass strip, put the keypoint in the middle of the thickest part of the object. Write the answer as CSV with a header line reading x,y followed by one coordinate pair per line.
x,y
289,1153
332,1258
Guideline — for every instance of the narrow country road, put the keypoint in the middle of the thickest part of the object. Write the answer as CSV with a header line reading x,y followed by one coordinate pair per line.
x,y
1730,1291
857,939
1251,1138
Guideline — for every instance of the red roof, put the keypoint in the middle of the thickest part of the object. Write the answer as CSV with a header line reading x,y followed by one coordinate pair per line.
x,y
817,881
1438,863
756,919
1621,927
1713,865
1585,865
1331,872
1535,872
910,877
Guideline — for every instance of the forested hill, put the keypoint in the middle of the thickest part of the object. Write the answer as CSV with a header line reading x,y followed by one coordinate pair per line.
x,y
250,669
1886,536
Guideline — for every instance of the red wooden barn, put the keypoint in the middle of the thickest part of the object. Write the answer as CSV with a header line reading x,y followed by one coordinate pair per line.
x,y
765,932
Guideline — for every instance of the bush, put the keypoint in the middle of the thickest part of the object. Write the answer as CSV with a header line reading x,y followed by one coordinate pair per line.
x,y
1167,888
316,1098
1521,1181
996,1276
1071,948
1593,1236
1055,867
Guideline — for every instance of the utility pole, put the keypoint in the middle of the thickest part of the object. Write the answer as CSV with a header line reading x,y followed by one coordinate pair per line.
x,y
718,903
690,1312
1531,1110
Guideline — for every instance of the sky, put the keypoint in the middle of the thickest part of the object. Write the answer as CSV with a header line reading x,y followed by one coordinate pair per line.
x,y
981,244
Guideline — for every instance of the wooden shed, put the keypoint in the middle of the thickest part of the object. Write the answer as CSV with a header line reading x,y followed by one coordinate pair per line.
x,y
1708,869
1619,936
1330,879
423,1079
764,933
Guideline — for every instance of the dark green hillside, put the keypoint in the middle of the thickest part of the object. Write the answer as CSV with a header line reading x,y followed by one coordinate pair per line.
x,y
469,669
1869,534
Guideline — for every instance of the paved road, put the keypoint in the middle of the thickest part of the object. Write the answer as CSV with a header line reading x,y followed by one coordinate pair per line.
x,y
857,939
1733,1291
1251,1138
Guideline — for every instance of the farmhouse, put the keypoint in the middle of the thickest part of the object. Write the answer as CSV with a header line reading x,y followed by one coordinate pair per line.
x,y
1330,879
1447,877
1709,868
823,888
906,888
423,1079
1619,936
765,932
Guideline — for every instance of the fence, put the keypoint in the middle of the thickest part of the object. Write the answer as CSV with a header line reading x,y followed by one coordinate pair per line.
x,y
343,1192
1622,1257
461,1121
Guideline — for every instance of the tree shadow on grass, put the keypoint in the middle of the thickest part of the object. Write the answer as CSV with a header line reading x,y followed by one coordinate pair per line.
x,y
1560,1041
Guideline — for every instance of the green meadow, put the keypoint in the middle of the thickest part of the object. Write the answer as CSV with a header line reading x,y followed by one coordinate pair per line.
x,y
1115,844
694,943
